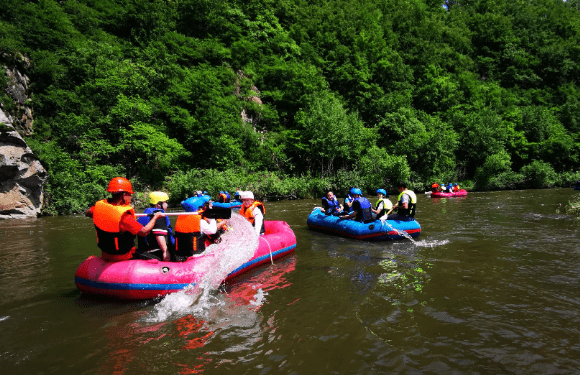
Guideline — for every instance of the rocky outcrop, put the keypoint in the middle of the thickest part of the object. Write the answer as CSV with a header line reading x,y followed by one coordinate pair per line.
x,y
22,176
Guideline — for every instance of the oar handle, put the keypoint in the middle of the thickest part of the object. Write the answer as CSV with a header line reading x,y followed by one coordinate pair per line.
x,y
171,214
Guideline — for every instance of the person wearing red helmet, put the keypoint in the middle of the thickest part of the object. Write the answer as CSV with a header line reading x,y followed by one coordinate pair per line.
x,y
115,222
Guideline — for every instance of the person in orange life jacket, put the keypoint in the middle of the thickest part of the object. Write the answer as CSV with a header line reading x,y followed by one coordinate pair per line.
x,y
156,245
406,204
455,187
191,233
224,197
361,207
115,223
253,210
330,204
435,187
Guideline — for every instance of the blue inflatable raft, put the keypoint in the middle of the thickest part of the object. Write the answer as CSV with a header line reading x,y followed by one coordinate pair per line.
x,y
192,204
232,204
373,231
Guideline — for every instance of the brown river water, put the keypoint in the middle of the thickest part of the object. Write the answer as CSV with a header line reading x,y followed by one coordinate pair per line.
x,y
491,286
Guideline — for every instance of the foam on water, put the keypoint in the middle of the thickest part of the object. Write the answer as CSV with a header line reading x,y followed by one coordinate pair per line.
x,y
236,248
431,244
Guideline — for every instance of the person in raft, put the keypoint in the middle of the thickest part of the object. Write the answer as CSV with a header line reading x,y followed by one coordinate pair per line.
x,y
330,204
114,220
224,197
347,206
361,207
253,210
455,187
157,244
383,205
406,204
435,187
192,231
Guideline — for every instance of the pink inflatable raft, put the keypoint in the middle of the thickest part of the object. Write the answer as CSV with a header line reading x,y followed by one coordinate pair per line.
x,y
148,279
460,193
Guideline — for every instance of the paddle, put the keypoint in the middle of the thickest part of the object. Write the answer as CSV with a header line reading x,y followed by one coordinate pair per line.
x,y
171,214
212,213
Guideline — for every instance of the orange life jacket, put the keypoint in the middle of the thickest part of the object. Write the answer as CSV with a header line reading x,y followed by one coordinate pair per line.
x,y
189,239
248,213
114,244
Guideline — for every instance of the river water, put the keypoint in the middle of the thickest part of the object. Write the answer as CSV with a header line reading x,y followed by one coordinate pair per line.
x,y
490,287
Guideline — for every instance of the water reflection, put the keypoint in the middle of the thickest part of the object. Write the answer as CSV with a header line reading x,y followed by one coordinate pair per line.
x,y
196,336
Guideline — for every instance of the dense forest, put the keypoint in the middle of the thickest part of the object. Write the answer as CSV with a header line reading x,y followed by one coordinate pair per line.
x,y
292,97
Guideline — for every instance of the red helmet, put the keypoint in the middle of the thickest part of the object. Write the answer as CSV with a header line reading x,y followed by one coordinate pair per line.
x,y
119,184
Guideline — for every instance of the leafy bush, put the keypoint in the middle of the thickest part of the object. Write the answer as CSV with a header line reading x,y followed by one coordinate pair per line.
x,y
538,174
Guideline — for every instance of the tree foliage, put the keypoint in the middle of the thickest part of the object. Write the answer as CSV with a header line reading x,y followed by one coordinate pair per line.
x,y
343,92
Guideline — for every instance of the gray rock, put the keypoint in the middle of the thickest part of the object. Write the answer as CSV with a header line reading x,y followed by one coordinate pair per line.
x,y
22,176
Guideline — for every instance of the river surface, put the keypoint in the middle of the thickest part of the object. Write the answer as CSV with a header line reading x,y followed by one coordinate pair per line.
x,y
490,287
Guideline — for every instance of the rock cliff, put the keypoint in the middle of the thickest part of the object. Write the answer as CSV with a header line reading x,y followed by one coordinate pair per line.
x,y
22,176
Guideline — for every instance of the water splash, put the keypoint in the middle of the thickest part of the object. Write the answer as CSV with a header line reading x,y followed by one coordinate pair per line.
x,y
237,246
399,232
432,244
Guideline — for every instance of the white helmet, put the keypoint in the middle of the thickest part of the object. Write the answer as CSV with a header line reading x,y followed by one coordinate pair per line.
x,y
246,195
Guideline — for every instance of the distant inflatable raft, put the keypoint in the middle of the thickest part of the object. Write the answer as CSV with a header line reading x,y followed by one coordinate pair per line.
x,y
460,193
373,231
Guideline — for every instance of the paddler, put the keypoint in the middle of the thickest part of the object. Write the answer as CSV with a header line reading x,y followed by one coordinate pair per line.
x,y
115,222
192,231
383,205
253,210
361,207
157,244
406,204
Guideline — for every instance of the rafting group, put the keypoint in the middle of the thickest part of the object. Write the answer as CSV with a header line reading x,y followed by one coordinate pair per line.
x,y
446,190
357,218
117,225
168,259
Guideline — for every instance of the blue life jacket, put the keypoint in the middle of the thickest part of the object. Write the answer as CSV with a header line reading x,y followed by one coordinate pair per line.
x,y
330,207
346,200
364,213
144,220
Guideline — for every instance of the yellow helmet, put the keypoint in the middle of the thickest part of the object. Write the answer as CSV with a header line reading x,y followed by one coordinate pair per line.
x,y
158,196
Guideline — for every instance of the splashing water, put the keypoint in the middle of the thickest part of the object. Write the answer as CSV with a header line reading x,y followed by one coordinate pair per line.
x,y
431,244
237,246
399,232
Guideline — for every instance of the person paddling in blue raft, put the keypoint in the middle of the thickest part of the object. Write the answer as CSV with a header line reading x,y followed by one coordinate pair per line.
x,y
405,206
347,206
159,243
361,208
382,205
330,204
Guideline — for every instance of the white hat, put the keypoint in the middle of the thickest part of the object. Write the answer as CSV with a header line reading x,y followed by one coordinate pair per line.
x,y
246,195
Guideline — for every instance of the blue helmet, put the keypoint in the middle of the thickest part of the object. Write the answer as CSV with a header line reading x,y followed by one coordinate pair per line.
x,y
356,191
455,184
352,191
382,191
